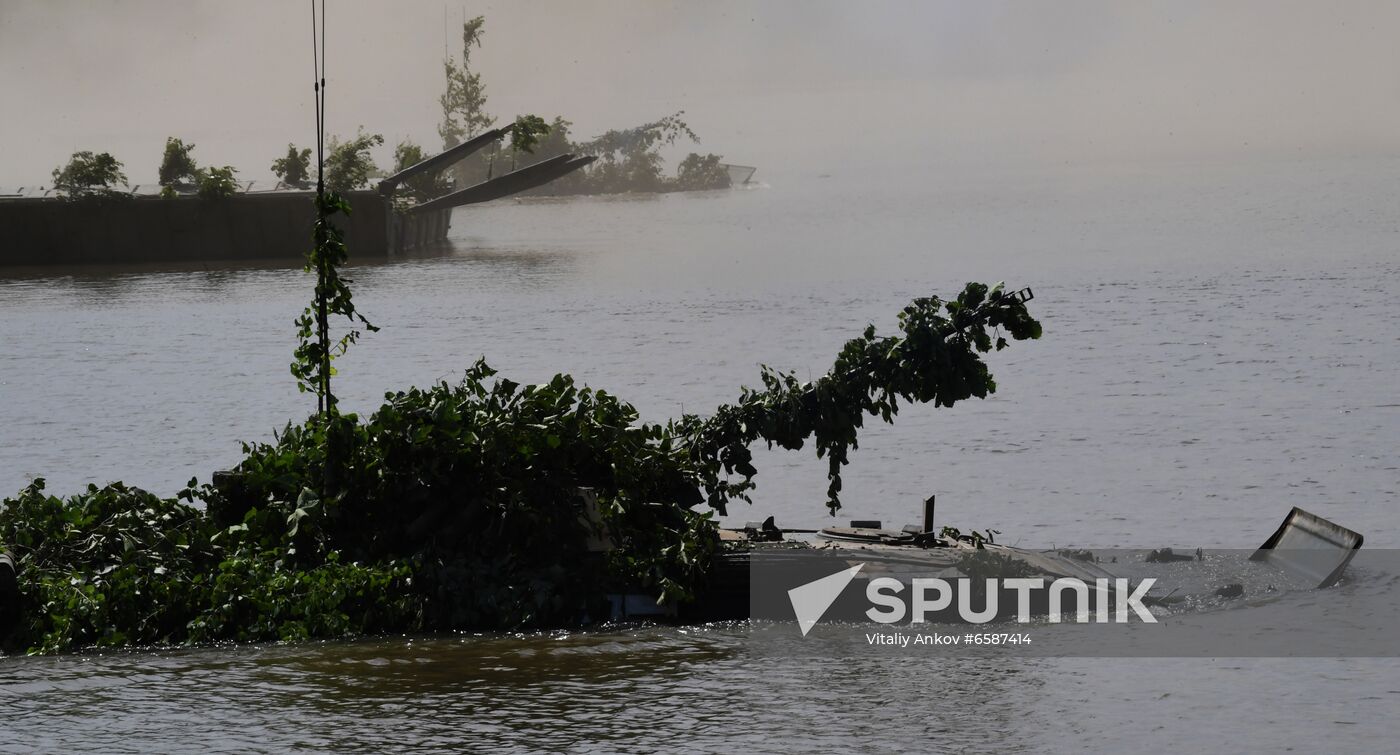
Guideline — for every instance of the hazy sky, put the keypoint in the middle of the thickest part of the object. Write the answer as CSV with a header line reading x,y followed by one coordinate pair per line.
x,y
794,87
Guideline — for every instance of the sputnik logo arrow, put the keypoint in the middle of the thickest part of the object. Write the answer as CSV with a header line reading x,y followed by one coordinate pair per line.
x,y
811,600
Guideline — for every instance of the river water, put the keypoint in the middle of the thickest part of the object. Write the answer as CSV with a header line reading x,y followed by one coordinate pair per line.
x,y
1220,345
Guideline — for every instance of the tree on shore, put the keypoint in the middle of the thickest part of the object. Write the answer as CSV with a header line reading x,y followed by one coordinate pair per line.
x,y
422,187
89,174
216,183
177,166
349,164
525,135
294,168
464,101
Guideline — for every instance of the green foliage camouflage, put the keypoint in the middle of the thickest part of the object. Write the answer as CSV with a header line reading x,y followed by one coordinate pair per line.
x,y
629,160
936,359
478,482
981,564
701,172
120,566
459,506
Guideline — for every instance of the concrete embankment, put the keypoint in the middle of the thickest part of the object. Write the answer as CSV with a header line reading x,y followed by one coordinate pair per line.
x,y
273,225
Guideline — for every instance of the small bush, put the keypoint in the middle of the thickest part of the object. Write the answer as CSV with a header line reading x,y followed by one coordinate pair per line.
x,y
217,183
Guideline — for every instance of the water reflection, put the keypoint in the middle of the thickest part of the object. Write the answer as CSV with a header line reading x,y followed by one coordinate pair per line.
x,y
436,665
496,264
642,689
112,285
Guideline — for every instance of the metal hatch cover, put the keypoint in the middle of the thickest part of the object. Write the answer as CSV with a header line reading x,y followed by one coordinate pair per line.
x,y
1310,546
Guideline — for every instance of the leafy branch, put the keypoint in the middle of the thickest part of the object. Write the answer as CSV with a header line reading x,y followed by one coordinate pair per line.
x,y
937,359
639,139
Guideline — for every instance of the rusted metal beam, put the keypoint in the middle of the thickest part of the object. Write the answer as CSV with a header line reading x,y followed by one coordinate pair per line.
x,y
442,159
511,183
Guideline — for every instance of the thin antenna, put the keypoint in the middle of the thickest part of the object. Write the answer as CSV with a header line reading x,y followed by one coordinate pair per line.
x,y
324,273
324,401
316,81
323,70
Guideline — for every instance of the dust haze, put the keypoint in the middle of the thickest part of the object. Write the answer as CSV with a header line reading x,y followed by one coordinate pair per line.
x,y
799,88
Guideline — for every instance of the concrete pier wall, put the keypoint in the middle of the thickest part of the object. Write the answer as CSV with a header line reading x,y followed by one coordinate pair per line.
x,y
274,225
